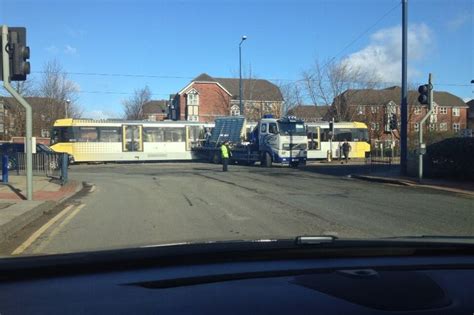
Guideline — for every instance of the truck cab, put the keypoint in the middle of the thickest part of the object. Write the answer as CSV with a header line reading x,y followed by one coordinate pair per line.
x,y
281,140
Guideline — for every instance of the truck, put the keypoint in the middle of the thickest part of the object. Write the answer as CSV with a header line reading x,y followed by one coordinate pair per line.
x,y
270,140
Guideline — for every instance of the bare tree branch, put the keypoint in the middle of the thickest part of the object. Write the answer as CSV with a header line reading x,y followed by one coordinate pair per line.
x,y
133,107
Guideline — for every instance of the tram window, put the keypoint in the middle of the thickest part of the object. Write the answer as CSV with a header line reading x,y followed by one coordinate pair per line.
x,y
174,134
62,134
109,134
87,134
343,134
154,135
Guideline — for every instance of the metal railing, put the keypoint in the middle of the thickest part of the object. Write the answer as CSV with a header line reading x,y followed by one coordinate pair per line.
x,y
384,154
44,164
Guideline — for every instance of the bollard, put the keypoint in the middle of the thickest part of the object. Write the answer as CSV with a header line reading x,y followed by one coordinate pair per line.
x,y
64,165
5,168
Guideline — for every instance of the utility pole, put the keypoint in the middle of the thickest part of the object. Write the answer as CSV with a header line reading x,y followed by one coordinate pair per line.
x,y
404,105
14,48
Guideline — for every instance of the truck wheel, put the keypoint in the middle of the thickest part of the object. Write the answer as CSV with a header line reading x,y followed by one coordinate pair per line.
x,y
268,160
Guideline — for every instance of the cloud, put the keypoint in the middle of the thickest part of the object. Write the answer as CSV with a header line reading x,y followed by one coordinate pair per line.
x,y
52,49
69,50
382,56
459,21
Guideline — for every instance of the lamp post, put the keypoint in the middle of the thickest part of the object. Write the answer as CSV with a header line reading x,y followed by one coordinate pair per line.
x,y
240,75
68,101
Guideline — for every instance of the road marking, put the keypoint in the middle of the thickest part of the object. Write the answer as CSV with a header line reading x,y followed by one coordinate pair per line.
x,y
20,249
48,240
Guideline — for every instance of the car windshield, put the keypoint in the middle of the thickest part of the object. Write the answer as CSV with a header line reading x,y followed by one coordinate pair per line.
x,y
291,128
220,120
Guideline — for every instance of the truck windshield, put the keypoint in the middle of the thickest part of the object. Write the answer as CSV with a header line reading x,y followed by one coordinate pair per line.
x,y
295,129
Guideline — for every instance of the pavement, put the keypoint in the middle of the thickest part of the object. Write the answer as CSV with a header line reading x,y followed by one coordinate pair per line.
x,y
388,174
158,203
16,212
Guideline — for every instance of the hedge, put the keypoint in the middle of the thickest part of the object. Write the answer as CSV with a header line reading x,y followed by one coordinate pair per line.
x,y
450,158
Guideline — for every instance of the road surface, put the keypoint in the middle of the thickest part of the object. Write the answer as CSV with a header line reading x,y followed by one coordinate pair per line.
x,y
144,204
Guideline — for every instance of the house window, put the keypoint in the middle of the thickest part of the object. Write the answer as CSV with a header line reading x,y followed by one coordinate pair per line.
x,y
456,111
235,110
432,127
373,109
435,110
456,127
193,98
443,126
416,126
417,110
360,110
374,126
45,133
443,110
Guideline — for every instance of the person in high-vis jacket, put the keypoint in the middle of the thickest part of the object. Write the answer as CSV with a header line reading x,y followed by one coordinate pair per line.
x,y
225,155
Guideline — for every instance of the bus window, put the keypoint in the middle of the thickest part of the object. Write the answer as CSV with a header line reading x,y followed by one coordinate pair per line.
x,y
110,134
153,134
343,134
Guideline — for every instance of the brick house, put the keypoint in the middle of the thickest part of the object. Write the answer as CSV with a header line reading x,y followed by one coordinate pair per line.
x,y
373,106
12,116
206,98
155,110
310,113
470,114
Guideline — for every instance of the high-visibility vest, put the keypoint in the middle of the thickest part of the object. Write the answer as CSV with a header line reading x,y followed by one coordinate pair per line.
x,y
224,151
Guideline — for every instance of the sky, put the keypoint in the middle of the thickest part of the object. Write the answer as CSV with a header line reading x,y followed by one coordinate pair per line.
x,y
112,48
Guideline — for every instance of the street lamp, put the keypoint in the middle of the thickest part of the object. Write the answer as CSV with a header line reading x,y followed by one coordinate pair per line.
x,y
68,101
240,76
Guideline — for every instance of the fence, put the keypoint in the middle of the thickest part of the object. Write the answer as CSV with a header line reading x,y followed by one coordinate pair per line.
x,y
384,153
44,164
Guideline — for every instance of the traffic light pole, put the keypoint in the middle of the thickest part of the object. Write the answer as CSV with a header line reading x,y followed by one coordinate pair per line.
x,y
421,145
404,98
29,120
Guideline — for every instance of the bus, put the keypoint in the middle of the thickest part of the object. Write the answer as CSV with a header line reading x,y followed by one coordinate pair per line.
x,y
87,140
356,133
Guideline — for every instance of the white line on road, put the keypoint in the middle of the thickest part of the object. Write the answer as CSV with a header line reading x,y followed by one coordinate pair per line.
x,y
73,213
20,249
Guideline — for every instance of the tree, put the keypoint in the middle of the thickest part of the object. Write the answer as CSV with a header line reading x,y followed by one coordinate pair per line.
x,y
325,83
133,107
61,93
292,95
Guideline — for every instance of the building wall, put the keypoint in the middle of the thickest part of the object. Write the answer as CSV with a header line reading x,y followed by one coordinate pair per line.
x,y
376,120
213,102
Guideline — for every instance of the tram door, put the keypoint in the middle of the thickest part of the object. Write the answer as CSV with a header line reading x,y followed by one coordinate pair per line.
x,y
132,140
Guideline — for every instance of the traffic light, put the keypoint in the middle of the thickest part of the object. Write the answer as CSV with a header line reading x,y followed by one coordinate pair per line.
x,y
331,126
18,54
393,122
424,91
